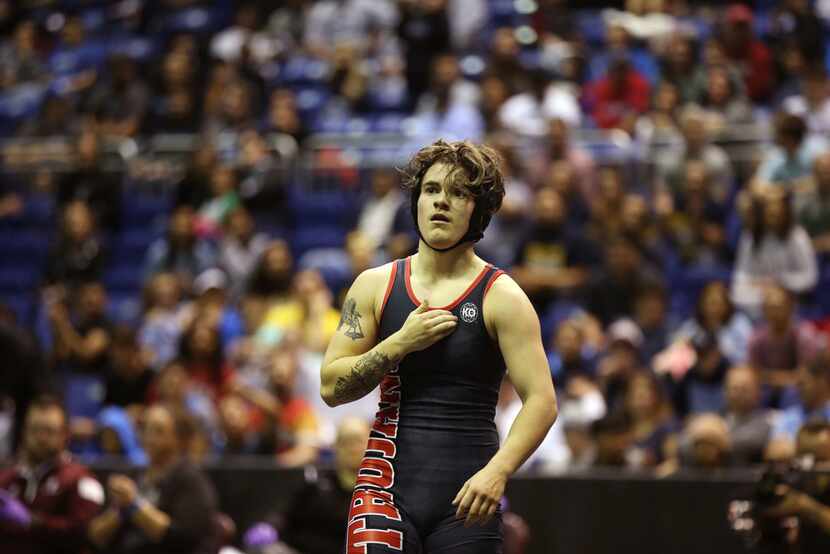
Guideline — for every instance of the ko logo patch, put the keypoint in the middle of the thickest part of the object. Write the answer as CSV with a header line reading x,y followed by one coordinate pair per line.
x,y
469,312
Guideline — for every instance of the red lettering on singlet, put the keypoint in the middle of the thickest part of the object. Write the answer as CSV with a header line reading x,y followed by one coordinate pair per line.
x,y
376,472
359,537
368,502
384,447
386,422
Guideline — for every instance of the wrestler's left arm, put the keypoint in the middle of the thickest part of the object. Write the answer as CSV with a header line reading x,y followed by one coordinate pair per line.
x,y
509,313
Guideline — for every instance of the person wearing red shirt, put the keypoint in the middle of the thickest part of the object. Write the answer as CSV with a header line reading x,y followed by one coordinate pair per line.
x,y
46,498
616,100
751,56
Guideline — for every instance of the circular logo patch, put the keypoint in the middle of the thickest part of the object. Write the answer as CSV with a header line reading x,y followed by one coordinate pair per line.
x,y
469,312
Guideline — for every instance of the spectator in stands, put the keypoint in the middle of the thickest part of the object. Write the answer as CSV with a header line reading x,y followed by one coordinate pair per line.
x,y
194,188
715,313
47,498
57,116
503,59
710,442
446,77
652,426
119,100
678,65
424,32
551,261
308,310
618,98
693,220
174,112
570,355
24,377
612,435
509,226
203,359
20,61
378,212
274,272
696,145
283,115
813,381
560,147
780,345
78,255
651,313
813,206
171,508
494,93
748,423
223,199
331,23
240,249
174,388
88,182
812,101
612,291
165,316
130,375
726,106
563,178
638,223
261,177
747,52
317,514
82,338
701,387
790,162
659,125
528,112
291,428
233,110
243,38
239,435
620,361
772,249
606,204
213,307
181,252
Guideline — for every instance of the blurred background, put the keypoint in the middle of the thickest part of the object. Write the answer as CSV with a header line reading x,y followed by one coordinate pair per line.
x,y
188,188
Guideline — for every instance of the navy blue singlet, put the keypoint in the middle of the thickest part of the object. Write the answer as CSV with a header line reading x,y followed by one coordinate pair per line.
x,y
434,430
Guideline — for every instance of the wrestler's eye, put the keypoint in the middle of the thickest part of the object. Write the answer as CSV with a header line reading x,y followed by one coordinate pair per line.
x,y
460,193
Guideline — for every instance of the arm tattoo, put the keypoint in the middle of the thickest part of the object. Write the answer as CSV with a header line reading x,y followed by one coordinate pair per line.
x,y
364,376
351,319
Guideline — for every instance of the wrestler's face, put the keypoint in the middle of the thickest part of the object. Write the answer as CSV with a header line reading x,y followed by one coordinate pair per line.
x,y
444,206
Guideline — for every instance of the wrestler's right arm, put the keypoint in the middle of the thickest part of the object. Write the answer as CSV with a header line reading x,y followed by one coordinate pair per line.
x,y
355,362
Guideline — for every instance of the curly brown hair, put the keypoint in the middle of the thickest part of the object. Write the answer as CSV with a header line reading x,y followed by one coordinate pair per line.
x,y
477,167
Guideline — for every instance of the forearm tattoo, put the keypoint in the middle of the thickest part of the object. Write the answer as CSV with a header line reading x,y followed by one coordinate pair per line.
x,y
351,319
364,376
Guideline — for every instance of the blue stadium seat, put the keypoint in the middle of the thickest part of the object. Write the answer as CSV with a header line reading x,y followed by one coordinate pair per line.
x,y
125,277
304,239
83,394
18,279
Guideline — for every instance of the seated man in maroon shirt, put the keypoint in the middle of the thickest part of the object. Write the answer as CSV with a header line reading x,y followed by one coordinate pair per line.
x,y
779,346
46,499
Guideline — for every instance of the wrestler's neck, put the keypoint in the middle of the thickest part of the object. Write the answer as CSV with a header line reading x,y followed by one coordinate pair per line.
x,y
430,265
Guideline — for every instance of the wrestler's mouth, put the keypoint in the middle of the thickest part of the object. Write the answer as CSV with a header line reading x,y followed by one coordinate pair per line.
x,y
440,218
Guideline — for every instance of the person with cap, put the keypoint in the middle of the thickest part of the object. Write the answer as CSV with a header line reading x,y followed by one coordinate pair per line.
x,y
434,473
47,499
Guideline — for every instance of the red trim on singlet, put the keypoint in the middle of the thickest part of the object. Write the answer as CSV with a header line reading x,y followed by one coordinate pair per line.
x,y
455,302
490,282
389,288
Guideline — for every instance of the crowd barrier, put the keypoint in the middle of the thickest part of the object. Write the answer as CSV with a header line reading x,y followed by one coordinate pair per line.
x,y
591,513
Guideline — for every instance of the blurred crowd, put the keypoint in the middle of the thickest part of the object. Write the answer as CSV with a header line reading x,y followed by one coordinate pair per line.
x,y
680,293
